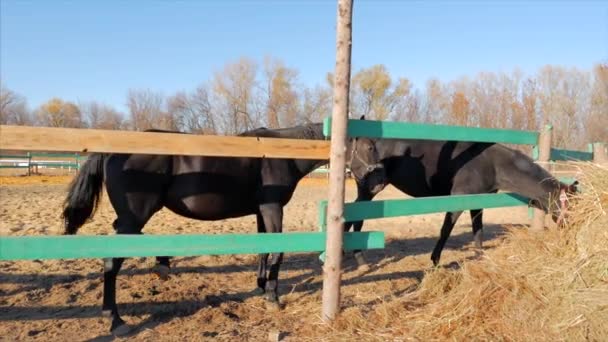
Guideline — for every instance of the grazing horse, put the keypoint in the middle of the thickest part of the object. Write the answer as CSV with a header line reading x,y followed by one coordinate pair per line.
x,y
202,188
422,168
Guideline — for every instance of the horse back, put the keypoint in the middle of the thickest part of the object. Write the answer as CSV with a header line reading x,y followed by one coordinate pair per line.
x,y
431,168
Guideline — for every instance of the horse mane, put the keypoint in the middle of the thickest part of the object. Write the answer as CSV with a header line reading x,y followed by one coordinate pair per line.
x,y
312,131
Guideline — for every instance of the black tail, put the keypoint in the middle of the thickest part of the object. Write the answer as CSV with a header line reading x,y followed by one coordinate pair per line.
x,y
84,193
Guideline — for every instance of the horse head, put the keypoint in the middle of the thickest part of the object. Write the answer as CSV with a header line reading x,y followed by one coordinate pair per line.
x,y
365,164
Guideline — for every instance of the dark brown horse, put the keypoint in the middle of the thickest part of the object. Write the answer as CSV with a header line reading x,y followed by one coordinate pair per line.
x,y
202,188
422,168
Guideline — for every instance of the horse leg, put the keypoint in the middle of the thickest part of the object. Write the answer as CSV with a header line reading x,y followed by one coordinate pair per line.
x,y
362,195
477,223
111,267
162,267
110,271
263,260
446,230
133,213
272,214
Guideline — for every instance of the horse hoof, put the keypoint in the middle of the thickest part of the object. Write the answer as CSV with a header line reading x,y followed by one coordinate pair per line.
x,y
273,306
360,259
161,271
435,263
363,268
121,330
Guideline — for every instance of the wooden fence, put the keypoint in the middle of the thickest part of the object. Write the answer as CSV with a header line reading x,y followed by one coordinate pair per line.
x,y
86,140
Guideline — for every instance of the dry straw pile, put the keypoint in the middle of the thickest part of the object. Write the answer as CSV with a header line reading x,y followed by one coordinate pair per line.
x,y
545,286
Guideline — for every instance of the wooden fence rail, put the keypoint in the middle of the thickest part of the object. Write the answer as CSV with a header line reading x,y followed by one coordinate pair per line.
x,y
25,138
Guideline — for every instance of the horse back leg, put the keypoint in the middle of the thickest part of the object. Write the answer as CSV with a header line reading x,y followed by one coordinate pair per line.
x,y
111,267
262,260
272,215
477,224
133,211
362,195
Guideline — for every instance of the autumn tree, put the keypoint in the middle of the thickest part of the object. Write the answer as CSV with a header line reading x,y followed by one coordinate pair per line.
x,y
282,98
459,109
375,95
435,103
234,87
529,103
59,113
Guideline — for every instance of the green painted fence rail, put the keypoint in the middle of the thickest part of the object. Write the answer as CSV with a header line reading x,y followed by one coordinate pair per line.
x,y
34,161
356,211
406,130
104,246
570,155
566,155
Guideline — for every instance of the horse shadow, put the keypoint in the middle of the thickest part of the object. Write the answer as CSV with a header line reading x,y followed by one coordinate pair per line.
x,y
304,284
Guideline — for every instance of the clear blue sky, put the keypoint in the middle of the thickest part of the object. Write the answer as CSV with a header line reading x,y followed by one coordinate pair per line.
x,y
86,50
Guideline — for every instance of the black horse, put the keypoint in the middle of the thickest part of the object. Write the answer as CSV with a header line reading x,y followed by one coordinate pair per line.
x,y
202,188
422,168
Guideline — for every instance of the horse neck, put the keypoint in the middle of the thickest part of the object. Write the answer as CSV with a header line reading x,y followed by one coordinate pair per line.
x,y
388,148
305,166
310,132
518,173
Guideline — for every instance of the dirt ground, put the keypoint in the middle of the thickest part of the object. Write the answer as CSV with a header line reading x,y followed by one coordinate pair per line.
x,y
209,297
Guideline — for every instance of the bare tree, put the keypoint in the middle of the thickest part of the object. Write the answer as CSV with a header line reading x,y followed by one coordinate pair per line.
x,y
562,94
102,116
234,89
193,111
316,104
13,108
596,124
147,110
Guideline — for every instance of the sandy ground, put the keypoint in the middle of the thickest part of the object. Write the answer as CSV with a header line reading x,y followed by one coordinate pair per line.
x,y
209,297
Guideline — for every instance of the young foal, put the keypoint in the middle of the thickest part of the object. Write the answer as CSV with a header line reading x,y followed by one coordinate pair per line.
x,y
422,168
202,188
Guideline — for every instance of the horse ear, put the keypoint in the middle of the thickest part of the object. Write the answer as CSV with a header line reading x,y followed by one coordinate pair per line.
x,y
362,117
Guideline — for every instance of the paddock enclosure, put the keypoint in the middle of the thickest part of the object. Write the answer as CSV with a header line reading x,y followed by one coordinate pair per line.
x,y
51,286
60,299
209,296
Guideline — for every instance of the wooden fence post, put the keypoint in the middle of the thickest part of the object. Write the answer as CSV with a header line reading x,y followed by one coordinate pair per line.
x,y
599,154
335,210
544,154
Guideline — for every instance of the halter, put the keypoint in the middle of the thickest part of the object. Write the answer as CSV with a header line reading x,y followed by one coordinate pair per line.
x,y
369,168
